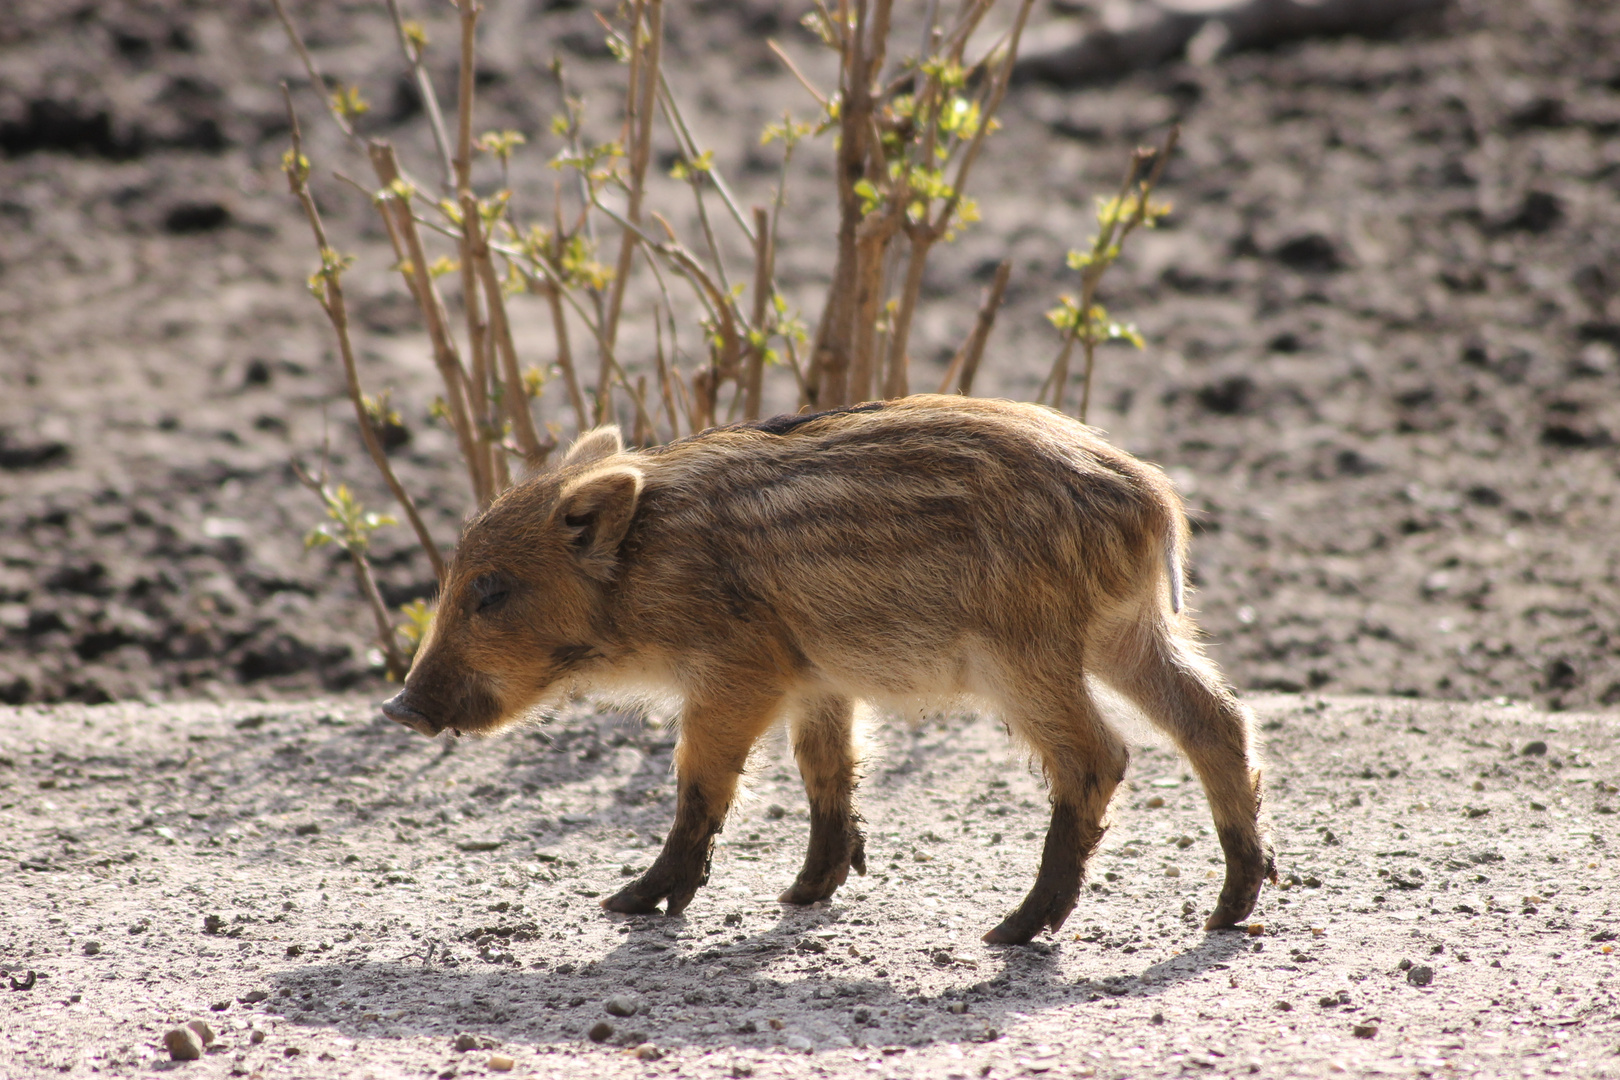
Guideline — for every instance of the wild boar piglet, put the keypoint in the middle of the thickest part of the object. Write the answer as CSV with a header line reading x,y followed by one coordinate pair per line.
x,y
915,554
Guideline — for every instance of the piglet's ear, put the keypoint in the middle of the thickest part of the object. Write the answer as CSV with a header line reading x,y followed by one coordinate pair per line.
x,y
595,512
594,445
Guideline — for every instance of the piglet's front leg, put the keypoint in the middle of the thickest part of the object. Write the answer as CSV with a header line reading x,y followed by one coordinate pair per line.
x,y
715,741
683,866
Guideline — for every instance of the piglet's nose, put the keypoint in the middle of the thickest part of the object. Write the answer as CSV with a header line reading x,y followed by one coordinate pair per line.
x,y
401,710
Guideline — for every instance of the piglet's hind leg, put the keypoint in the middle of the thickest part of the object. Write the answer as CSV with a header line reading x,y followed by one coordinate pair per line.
x,y
1085,761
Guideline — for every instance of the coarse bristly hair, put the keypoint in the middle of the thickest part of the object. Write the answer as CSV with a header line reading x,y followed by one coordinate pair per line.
x,y
916,555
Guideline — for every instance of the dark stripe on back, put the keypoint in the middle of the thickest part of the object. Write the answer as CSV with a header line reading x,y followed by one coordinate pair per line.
x,y
785,424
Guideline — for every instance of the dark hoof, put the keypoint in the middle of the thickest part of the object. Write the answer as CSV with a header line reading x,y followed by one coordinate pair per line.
x,y
1011,933
629,902
802,894
1021,926
1236,902
816,888
678,902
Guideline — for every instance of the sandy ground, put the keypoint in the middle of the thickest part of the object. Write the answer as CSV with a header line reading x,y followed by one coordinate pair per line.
x,y
337,897
1383,327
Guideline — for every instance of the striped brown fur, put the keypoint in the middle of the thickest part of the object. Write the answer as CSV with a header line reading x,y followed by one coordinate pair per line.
x,y
916,554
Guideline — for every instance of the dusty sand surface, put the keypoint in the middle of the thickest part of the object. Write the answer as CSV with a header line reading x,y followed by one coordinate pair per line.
x,y
339,898
1383,363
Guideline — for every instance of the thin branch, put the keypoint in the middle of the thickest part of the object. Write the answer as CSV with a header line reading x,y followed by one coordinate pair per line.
x,y
332,301
638,106
421,285
316,80
565,354
393,659
821,99
965,364
535,451
677,121
666,374
430,100
764,270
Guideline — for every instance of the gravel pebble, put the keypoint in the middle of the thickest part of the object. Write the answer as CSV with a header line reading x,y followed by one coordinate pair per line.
x,y
622,1005
183,1044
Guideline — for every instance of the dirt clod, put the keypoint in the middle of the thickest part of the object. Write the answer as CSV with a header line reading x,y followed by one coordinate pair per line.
x,y
601,1031
1420,975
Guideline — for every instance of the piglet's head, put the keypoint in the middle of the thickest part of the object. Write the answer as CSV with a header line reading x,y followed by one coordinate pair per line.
x,y
522,605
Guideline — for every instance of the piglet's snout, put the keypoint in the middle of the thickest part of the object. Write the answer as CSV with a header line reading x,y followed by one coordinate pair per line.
x,y
402,710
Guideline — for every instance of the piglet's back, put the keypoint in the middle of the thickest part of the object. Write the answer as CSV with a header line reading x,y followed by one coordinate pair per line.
x,y
925,517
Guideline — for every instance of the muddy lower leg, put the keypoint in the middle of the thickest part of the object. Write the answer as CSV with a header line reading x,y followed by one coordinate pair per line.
x,y
823,743
683,866
1085,761
714,746
1182,693
1069,843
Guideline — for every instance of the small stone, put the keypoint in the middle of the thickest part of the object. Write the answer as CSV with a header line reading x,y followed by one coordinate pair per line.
x,y
799,1043
1364,1031
91,948
204,1032
1420,975
1405,965
622,1005
649,1052
308,829
253,997
1284,1006
1171,871
1156,801
601,1031
1536,748
464,1042
957,1008
501,1063
213,924
219,1006
775,812
1157,1018
256,1036
1256,929
183,1045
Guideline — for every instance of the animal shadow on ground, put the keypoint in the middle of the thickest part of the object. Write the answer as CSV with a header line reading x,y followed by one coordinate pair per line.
x,y
754,991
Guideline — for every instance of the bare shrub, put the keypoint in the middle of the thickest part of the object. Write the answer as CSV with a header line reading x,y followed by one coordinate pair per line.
x,y
908,130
